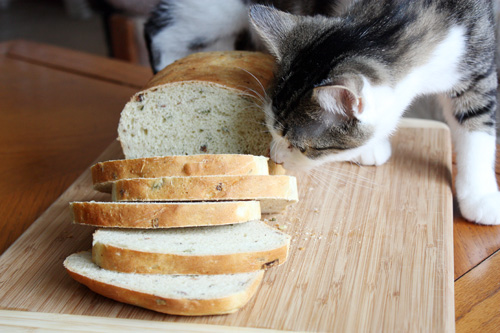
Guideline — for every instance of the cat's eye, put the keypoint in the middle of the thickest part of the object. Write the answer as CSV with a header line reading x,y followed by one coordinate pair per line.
x,y
302,149
328,148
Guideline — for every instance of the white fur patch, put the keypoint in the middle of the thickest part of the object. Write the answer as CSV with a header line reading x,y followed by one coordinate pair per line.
x,y
384,105
475,183
378,154
477,190
219,21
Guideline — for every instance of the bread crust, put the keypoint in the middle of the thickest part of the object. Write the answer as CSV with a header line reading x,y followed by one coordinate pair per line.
x,y
163,215
104,173
182,307
133,261
228,69
275,169
243,73
277,191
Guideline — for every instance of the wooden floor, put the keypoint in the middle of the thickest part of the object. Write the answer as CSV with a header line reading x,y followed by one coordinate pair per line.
x,y
38,167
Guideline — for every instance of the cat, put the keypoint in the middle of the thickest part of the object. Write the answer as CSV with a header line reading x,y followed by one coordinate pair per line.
x,y
176,29
346,74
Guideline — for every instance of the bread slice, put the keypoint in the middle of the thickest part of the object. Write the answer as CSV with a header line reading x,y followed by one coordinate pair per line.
x,y
187,295
273,192
208,102
104,173
228,249
164,214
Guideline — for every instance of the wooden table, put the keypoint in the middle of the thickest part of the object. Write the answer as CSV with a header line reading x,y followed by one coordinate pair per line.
x,y
60,110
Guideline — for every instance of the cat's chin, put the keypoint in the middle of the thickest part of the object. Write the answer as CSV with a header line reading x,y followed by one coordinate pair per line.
x,y
302,166
297,167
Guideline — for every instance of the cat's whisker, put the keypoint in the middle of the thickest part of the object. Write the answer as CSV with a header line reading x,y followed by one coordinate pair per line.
x,y
346,179
248,92
280,125
326,179
348,173
274,144
252,107
321,183
263,98
256,79
317,180
357,163
257,97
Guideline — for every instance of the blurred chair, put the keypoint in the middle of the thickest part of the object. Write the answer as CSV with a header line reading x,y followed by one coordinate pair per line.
x,y
124,21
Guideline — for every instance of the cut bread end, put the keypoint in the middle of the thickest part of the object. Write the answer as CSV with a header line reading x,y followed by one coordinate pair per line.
x,y
228,249
193,117
187,295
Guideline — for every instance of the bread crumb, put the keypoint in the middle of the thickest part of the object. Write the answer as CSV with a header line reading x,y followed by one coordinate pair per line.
x,y
301,248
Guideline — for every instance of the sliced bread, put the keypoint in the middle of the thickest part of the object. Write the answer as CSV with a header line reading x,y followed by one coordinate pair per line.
x,y
187,295
208,102
104,173
273,192
163,214
227,249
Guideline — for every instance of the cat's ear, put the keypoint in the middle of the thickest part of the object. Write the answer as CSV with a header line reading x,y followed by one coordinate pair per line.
x,y
339,100
272,25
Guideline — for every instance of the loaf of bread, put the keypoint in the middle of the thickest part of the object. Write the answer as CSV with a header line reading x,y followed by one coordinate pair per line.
x,y
164,214
228,249
208,102
274,193
104,173
187,295
204,105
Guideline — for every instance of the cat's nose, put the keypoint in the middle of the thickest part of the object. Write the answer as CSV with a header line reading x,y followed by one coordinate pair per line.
x,y
276,156
276,159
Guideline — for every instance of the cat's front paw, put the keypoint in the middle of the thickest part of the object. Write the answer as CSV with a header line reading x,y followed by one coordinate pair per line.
x,y
484,210
376,155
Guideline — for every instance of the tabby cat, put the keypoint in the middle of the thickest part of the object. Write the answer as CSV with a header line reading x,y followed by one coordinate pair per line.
x,y
345,76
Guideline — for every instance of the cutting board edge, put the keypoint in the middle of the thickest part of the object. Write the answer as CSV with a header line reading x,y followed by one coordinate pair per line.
x,y
81,323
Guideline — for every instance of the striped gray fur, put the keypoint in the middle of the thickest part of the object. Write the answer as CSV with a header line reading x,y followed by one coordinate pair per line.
x,y
348,69
384,40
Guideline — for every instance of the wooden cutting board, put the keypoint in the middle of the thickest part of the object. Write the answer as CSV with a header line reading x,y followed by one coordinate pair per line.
x,y
371,251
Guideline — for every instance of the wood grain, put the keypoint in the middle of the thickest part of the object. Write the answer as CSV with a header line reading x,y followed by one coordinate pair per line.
x,y
474,244
114,71
371,251
20,321
54,123
478,298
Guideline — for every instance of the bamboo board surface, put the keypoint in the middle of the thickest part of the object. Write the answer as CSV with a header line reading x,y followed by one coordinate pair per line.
x,y
372,250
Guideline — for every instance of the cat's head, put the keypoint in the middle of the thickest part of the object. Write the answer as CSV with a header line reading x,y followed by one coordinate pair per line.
x,y
319,108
